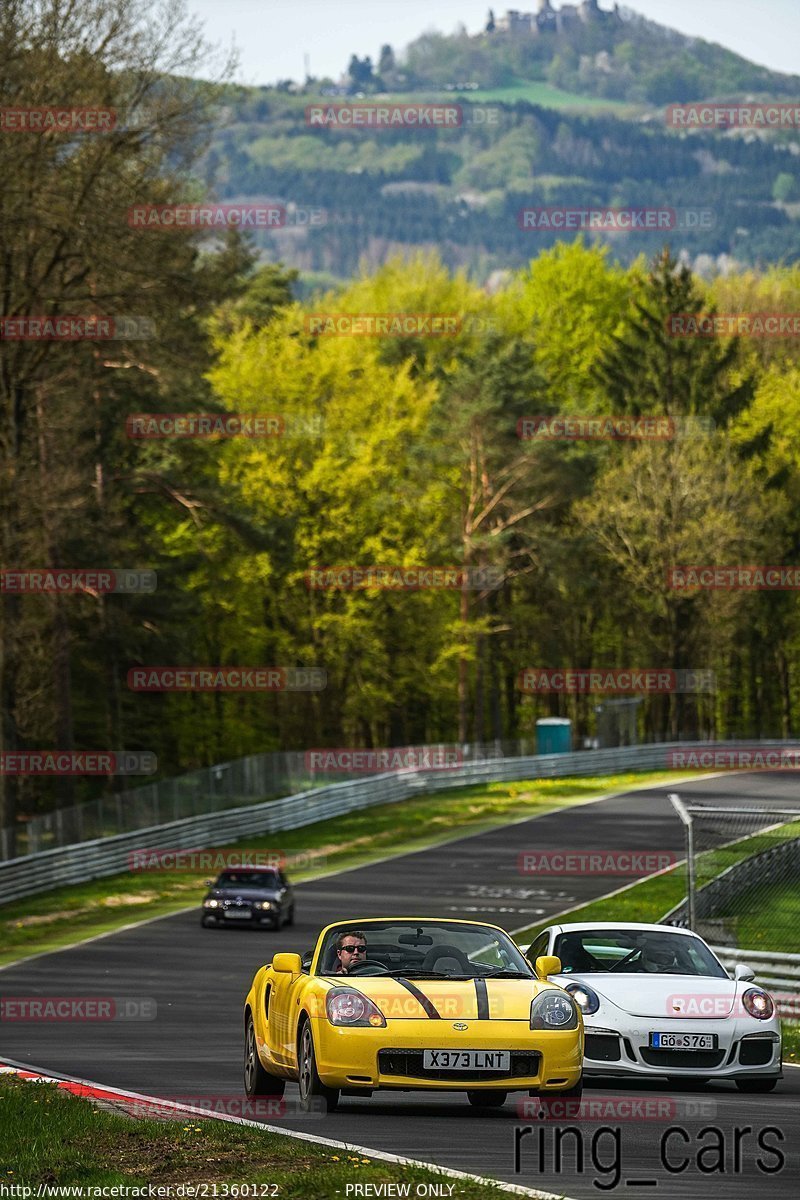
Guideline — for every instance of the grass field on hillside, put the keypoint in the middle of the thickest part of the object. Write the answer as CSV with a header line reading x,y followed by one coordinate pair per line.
x,y
534,91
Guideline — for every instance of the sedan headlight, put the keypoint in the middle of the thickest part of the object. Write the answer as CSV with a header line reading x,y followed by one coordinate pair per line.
x,y
346,1006
758,1004
585,997
211,904
554,1010
265,904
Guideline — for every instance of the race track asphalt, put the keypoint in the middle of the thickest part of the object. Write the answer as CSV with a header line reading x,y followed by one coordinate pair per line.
x,y
198,979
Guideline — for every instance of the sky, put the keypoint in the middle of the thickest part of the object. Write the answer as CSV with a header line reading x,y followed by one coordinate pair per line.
x,y
273,37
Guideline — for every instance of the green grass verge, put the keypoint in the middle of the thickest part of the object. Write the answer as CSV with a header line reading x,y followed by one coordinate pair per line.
x,y
771,919
48,1136
58,918
762,927
767,915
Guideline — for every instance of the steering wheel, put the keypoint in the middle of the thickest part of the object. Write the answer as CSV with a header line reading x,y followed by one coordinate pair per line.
x,y
368,966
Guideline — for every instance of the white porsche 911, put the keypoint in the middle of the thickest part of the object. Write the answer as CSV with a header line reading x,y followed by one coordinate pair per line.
x,y
656,1001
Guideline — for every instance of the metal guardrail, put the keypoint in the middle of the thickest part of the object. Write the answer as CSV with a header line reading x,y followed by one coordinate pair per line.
x,y
252,779
772,970
101,857
33,873
224,786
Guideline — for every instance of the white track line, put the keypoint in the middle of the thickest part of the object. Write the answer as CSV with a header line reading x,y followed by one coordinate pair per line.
x,y
7,1067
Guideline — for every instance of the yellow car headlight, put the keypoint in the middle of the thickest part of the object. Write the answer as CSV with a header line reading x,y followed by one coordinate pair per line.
x,y
346,1006
554,1010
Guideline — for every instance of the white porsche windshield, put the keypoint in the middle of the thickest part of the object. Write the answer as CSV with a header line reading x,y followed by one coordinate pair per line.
x,y
635,952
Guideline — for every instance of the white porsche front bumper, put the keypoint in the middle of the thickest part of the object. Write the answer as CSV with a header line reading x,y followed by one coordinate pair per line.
x,y
745,1047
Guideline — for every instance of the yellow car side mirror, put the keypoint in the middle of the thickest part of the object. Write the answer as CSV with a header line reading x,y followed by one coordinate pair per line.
x,y
548,964
289,964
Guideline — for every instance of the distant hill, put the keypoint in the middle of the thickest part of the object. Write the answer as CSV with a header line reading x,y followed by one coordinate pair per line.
x,y
361,194
581,48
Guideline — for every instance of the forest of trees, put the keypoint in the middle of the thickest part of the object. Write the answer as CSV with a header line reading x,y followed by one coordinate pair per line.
x,y
396,451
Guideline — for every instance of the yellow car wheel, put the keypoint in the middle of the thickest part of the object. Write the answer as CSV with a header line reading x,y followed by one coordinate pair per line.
x,y
313,1092
488,1099
257,1081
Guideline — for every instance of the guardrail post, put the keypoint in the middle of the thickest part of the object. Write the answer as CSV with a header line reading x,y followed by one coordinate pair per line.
x,y
686,818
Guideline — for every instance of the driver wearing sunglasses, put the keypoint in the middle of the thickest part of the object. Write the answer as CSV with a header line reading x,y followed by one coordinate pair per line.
x,y
351,948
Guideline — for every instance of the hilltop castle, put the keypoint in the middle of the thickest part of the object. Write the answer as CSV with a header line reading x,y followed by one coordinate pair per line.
x,y
551,20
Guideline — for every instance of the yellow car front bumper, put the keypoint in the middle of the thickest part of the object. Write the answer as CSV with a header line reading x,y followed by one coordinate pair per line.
x,y
392,1057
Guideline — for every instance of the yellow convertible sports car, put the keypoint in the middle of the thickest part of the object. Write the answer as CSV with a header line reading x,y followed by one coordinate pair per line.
x,y
412,1003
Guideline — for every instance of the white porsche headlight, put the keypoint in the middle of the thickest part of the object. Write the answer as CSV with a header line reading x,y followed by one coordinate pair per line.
x,y
758,1004
585,997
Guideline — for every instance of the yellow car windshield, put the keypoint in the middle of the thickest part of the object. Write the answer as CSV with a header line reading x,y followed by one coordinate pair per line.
x,y
433,949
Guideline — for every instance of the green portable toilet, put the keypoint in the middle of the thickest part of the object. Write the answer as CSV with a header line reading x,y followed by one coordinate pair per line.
x,y
553,735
